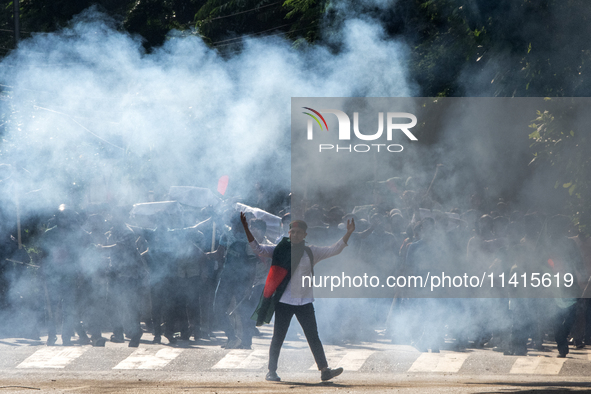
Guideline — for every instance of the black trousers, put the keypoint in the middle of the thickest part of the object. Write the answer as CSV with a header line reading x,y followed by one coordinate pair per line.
x,y
230,287
563,323
126,299
307,318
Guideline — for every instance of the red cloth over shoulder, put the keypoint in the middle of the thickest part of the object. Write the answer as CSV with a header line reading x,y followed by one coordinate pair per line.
x,y
274,279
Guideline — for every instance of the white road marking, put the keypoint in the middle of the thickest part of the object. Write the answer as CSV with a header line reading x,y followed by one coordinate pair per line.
x,y
354,360
148,358
257,359
333,358
52,357
233,359
351,360
439,362
537,365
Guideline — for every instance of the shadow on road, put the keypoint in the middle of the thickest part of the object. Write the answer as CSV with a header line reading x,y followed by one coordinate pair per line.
x,y
319,384
540,387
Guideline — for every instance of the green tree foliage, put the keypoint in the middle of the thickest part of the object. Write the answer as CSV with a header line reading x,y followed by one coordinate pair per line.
x,y
307,16
561,145
153,19
7,42
499,48
48,16
444,38
222,23
42,16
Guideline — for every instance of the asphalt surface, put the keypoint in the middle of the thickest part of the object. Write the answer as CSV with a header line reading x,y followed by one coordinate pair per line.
x,y
204,367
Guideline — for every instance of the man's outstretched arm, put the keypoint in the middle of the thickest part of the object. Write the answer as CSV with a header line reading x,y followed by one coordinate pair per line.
x,y
324,252
350,230
249,235
261,250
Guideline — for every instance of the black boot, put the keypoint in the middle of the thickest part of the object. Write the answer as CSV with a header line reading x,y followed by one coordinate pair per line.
x,y
135,340
98,341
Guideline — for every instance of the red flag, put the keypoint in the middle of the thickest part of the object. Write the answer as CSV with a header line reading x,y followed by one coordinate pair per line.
x,y
223,184
274,279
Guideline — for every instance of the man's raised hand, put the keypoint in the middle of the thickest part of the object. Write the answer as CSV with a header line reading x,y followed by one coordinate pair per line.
x,y
351,226
249,235
243,220
350,229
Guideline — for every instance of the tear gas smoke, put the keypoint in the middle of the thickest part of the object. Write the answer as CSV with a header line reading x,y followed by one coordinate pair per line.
x,y
89,117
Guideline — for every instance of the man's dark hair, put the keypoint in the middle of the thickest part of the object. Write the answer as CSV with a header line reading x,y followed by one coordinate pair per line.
x,y
299,224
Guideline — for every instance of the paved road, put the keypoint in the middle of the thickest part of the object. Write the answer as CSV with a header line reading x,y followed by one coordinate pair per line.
x,y
204,367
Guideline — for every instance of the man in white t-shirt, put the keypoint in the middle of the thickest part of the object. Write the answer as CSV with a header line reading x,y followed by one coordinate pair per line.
x,y
286,298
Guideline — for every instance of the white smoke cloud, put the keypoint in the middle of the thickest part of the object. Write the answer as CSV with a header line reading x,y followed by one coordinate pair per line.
x,y
87,100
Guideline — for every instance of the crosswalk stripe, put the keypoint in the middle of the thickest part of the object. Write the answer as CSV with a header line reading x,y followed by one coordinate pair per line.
x,y
354,360
243,359
333,358
439,362
52,357
233,359
255,360
537,365
147,358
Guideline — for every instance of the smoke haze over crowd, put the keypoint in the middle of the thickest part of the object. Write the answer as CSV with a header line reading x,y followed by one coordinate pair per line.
x,y
88,105
89,117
